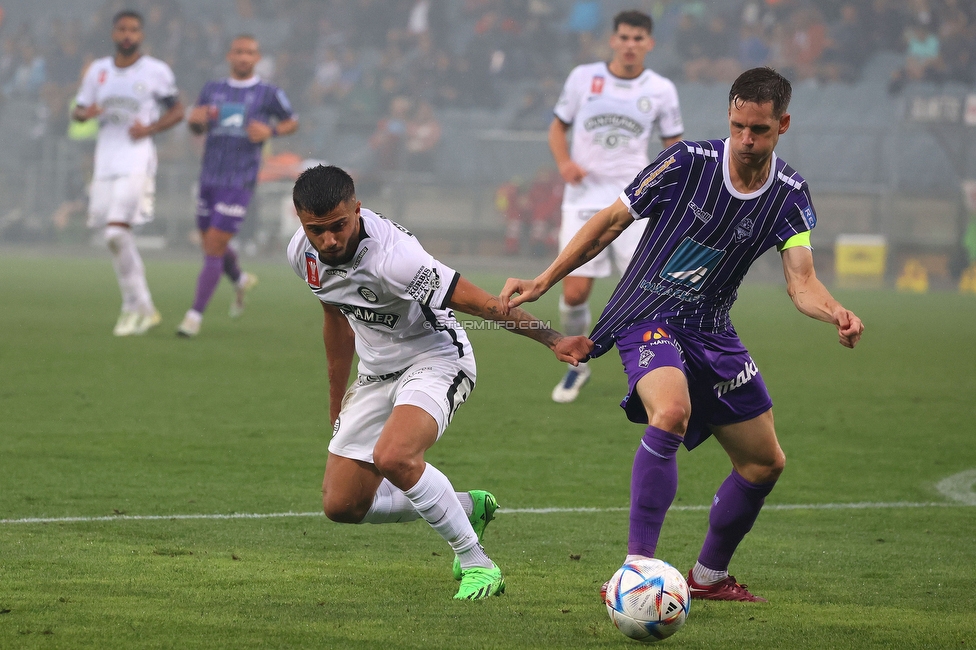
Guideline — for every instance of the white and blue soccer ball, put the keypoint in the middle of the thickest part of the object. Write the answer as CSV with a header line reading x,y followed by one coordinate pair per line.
x,y
648,600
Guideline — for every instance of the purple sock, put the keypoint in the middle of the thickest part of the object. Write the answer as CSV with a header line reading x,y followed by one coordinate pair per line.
x,y
734,510
653,483
207,281
231,266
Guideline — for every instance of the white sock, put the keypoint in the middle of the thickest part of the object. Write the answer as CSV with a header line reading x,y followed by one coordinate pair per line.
x,y
434,498
129,270
705,576
391,506
466,502
632,558
576,319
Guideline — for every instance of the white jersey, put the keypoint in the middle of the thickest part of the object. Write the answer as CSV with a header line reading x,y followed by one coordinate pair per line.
x,y
392,292
125,95
613,120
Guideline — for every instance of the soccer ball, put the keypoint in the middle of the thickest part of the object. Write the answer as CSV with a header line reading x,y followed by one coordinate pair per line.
x,y
648,600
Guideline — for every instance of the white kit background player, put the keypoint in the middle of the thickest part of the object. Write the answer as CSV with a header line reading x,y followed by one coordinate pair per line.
x,y
612,108
388,300
134,96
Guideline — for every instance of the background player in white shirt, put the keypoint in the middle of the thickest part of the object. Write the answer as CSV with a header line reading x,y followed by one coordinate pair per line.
x,y
390,301
613,108
134,96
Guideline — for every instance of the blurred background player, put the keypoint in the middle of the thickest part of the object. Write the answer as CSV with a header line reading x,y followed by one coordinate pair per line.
x,y
134,96
238,114
388,300
712,208
612,108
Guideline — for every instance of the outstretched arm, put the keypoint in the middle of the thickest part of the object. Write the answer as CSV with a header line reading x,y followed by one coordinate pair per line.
x,y
340,345
472,299
812,298
595,235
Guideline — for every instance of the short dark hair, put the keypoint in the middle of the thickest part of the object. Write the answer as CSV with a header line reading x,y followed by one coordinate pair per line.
x,y
319,190
761,85
633,18
127,13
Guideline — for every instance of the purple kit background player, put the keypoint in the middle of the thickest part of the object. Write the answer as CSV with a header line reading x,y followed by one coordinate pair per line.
x,y
713,208
238,114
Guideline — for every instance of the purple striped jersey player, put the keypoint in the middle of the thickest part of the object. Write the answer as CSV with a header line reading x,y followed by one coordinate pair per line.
x,y
711,209
238,114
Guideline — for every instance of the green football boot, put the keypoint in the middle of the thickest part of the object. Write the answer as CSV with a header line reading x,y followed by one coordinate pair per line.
x,y
483,512
478,583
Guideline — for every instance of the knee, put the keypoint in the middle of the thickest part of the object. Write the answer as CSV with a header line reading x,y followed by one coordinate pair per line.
x,y
343,511
768,470
574,296
397,467
673,418
114,236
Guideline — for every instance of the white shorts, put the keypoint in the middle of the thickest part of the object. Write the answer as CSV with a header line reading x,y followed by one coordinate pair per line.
x,y
438,385
618,254
122,199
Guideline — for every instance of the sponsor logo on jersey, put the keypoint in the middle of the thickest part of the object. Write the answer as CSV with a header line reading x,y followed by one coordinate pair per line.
x,y
424,284
645,356
700,214
655,334
367,294
370,317
120,103
744,230
614,121
611,140
651,179
644,104
809,217
744,377
340,272
690,263
229,209
232,115
596,85
335,428
359,258
312,270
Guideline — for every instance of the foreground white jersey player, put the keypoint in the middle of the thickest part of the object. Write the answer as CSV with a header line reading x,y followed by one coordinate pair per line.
x,y
388,300
134,96
613,108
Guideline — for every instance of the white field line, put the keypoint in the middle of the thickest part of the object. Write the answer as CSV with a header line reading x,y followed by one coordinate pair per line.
x,y
532,511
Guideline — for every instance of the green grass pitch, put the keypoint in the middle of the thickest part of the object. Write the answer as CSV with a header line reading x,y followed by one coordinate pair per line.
x,y
235,421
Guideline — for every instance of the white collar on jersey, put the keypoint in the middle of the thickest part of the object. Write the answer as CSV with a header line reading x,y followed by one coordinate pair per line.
x,y
243,83
728,182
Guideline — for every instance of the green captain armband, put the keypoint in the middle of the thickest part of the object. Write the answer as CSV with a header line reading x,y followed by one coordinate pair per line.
x,y
799,239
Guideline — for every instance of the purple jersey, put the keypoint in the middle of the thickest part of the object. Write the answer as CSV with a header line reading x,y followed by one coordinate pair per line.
x,y
702,237
229,158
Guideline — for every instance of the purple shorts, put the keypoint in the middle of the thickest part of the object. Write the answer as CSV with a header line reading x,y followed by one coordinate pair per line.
x,y
723,381
222,208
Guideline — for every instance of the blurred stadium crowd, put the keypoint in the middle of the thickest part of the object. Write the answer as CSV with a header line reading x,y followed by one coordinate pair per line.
x,y
358,55
381,85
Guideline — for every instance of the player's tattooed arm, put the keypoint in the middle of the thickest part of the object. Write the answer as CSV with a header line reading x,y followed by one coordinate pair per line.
x,y
472,299
595,235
